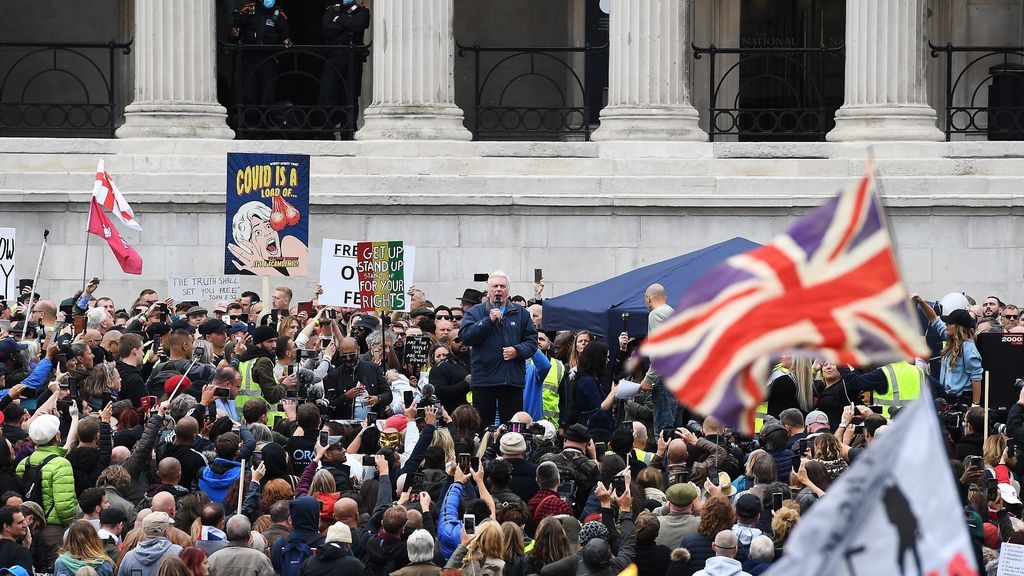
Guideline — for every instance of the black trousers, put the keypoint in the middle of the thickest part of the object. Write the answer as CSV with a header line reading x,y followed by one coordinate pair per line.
x,y
490,401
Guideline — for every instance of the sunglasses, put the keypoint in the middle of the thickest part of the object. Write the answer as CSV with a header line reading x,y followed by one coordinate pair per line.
x,y
1010,316
442,317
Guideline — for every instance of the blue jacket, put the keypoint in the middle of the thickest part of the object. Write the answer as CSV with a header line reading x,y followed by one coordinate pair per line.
x,y
217,478
35,380
536,371
449,526
487,338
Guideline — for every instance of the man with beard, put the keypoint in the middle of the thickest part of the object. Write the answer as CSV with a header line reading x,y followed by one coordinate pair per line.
x,y
361,329
354,387
257,369
451,378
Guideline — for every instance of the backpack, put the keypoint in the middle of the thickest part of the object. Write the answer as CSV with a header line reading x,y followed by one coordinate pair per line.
x,y
293,554
32,480
575,466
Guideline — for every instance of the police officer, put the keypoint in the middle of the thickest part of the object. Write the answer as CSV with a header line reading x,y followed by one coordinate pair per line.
x,y
260,24
344,25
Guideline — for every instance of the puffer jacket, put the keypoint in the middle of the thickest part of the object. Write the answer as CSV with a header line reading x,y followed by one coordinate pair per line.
x,y
59,501
487,339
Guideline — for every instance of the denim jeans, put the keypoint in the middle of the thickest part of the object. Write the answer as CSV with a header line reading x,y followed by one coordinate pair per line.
x,y
665,406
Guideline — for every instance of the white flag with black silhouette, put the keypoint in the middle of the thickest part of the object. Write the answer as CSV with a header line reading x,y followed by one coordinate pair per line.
x,y
895,511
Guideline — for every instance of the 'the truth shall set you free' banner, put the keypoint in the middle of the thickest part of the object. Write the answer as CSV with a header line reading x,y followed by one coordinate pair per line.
x,y
367,275
267,228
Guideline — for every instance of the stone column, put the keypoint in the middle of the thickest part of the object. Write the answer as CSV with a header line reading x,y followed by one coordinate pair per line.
x,y
886,90
413,78
175,75
649,73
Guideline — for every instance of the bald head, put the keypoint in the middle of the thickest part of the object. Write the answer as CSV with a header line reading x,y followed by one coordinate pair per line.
x,y
163,502
655,294
349,345
47,308
415,519
185,431
713,425
346,511
523,418
169,471
725,544
677,452
120,455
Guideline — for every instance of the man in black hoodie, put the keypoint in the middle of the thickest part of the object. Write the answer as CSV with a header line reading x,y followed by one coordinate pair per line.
x,y
970,444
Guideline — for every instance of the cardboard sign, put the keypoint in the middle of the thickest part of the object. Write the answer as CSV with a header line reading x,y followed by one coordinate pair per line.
x,y
1011,560
367,275
417,350
204,288
8,284
267,228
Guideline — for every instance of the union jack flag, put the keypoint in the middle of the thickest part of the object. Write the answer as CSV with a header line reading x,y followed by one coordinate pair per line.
x,y
828,286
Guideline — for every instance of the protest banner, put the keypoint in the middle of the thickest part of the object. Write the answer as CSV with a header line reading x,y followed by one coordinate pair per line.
x,y
1011,559
203,289
895,511
8,290
367,275
267,215
417,350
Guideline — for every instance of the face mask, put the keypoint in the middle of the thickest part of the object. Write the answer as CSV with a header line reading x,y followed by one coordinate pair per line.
x,y
390,440
268,4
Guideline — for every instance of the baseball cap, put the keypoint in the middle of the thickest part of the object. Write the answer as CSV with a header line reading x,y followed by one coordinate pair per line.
x,y
156,524
221,306
577,433
213,326
748,506
9,346
15,570
398,422
816,417
959,317
44,428
237,327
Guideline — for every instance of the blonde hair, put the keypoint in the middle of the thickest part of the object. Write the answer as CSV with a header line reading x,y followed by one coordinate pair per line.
x,y
489,542
993,449
956,335
803,376
84,544
323,483
783,522
443,438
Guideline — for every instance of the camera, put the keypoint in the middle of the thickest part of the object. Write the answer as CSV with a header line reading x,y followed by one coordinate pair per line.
x,y
696,427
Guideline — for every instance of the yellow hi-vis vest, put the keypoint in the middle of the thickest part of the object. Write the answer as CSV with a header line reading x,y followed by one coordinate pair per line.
x,y
549,392
762,408
250,389
905,382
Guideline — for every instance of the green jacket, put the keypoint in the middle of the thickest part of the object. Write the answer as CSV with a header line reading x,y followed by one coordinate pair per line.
x,y
263,375
59,500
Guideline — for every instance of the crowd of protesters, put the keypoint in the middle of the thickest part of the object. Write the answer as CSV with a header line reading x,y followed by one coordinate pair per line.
x,y
285,437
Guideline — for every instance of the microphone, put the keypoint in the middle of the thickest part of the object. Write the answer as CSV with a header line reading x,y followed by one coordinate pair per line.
x,y
497,304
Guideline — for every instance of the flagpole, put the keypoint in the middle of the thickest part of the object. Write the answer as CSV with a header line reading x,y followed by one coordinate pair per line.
x,y
32,289
88,235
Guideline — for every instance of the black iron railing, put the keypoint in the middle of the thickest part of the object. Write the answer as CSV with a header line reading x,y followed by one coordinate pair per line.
x,y
531,93
982,101
60,88
302,92
778,92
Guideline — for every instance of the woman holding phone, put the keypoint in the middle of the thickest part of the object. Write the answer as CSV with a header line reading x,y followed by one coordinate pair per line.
x,y
960,377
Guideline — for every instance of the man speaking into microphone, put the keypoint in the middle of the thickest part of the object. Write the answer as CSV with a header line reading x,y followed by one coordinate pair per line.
x,y
501,336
